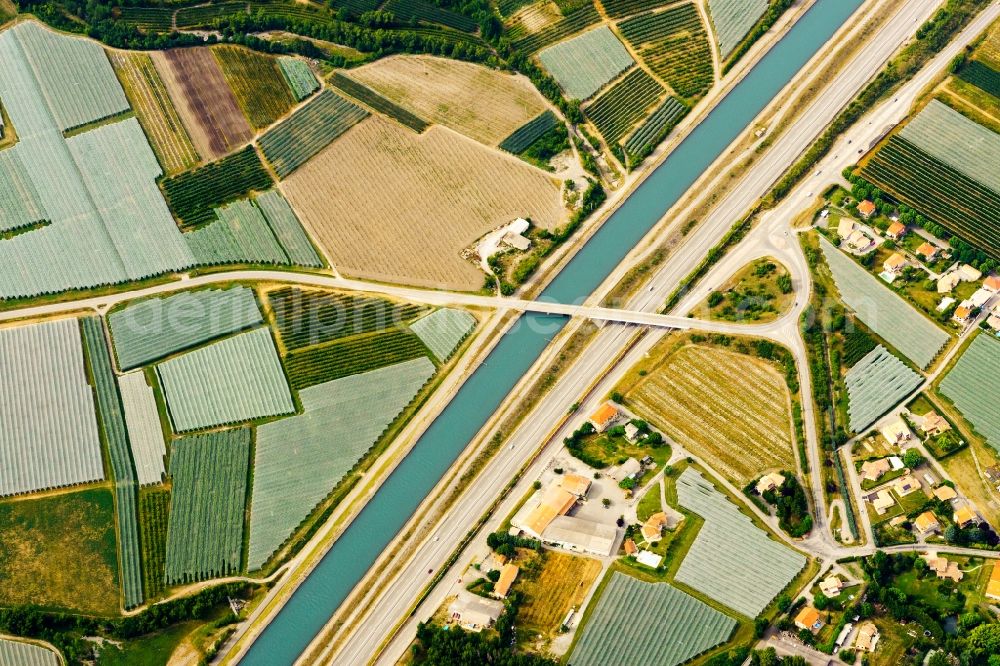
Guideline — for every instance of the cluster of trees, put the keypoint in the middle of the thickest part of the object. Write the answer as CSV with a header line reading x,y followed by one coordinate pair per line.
x,y
791,506
504,544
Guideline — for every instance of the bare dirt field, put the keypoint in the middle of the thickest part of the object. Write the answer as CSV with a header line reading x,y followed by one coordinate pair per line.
x,y
387,204
204,101
731,409
473,100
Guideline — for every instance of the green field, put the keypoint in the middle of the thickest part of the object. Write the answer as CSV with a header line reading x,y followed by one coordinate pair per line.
x,y
257,82
971,386
60,552
374,100
194,195
623,105
674,44
348,356
205,531
154,510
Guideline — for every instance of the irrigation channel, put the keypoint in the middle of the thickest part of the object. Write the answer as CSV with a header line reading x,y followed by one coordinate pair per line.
x,y
350,557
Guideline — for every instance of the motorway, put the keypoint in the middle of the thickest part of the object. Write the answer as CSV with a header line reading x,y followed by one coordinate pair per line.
x,y
375,618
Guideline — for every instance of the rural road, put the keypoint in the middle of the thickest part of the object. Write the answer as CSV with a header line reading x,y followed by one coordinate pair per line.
x,y
376,617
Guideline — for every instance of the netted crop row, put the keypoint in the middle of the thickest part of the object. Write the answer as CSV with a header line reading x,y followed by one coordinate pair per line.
x,y
288,230
350,356
617,110
883,311
528,133
372,99
656,127
622,8
418,10
194,195
154,19
574,22
113,423
257,82
19,198
673,43
875,384
672,628
299,76
584,64
154,512
982,76
309,130
959,203
17,653
971,385
308,317
443,330
208,502
301,459
733,19
206,15
145,433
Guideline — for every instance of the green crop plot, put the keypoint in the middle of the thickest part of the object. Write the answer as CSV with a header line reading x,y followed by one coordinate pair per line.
x,y
206,15
299,76
371,98
194,195
732,560
971,385
309,130
622,8
257,82
148,19
671,628
525,135
572,21
982,76
584,64
885,313
418,10
623,105
154,512
348,356
299,460
205,531
875,384
288,230
674,44
655,128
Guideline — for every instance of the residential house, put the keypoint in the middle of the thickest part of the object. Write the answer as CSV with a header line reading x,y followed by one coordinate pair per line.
x,y
945,303
866,208
652,529
769,482
604,417
897,432
926,523
962,314
927,252
894,264
577,484
581,535
507,575
947,282
945,568
473,612
896,231
905,485
517,241
630,547
992,474
867,637
980,297
969,273
631,432
860,242
831,586
993,585
932,424
897,521
872,470
992,283
845,228
631,468
966,516
993,321
945,493
809,619
554,501
883,502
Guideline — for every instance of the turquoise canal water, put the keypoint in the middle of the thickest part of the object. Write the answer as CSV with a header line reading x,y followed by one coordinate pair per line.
x,y
352,555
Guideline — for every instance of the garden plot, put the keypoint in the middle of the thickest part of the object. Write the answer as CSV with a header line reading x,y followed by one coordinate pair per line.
x,y
151,329
584,64
971,385
482,103
237,379
300,77
16,653
443,330
411,203
733,19
257,82
144,432
732,560
731,409
637,622
882,311
299,460
205,531
48,436
74,75
875,384
112,421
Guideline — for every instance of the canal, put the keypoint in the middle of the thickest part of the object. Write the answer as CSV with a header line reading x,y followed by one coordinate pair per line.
x,y
347,561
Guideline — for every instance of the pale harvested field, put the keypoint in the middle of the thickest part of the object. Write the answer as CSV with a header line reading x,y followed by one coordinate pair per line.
x,y
474,100
391,205
533,18
155,111
562,583
203,99
730,409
